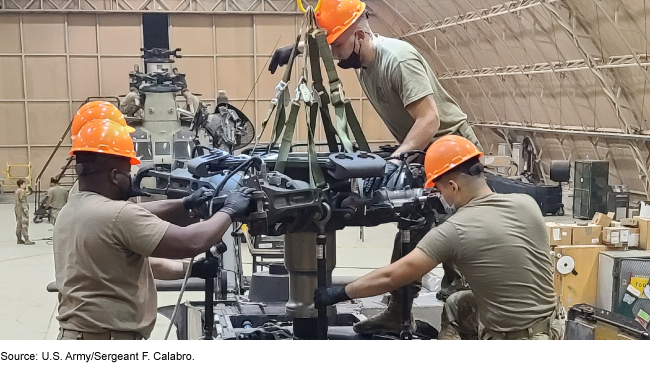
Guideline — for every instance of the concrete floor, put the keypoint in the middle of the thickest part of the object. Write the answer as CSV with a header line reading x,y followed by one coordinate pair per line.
x,y
28,311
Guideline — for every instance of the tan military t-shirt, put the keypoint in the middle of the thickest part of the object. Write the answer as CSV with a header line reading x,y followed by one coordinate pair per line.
x,y
499,243
58,196
397,77
103,275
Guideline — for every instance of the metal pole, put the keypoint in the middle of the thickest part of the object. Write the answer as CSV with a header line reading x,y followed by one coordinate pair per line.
x,y
208,325
405,236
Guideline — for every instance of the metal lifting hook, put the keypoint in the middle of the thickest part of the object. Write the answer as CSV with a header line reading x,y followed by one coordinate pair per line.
x,y
302,8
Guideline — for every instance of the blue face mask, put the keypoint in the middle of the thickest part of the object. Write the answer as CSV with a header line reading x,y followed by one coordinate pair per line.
x,y
449,208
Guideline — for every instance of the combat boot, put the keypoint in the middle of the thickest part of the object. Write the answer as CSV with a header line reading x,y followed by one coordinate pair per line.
x,y
387,322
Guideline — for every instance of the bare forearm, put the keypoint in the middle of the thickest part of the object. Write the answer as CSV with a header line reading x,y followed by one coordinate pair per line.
x,y
377,282
165,269
203,235
393,276
170,211
420,135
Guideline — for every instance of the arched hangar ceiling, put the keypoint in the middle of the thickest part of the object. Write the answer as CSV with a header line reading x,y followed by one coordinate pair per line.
x,y
572,74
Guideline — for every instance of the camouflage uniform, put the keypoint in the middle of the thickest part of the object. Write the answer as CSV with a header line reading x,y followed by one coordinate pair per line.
x,y
21,209
459,317
460,322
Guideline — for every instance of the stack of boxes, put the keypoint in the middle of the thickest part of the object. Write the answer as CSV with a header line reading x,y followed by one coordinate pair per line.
x,y
583,242
603,230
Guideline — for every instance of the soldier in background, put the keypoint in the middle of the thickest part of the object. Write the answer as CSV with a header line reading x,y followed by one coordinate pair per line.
x,y
56,198
192,101
21,208
131,102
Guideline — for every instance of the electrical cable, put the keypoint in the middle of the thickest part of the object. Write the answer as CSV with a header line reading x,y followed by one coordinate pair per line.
x,y
180,297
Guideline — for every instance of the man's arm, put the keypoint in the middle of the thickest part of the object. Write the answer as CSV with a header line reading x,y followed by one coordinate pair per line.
x,y
176,211
427,123
165,269
183,242
171,211
406,270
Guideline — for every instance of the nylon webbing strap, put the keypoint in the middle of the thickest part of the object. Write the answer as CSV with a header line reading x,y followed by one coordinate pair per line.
x,y
287,138
335,89
278,124
323,96
316,174
353,122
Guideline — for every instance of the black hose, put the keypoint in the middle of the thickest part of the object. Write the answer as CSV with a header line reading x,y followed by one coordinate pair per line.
x,y
244,165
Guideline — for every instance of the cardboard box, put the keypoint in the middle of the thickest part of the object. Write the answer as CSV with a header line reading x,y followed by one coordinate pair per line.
x,y
618,236
644,228
630,222
585,234
558,234
644,212
603,220
581,288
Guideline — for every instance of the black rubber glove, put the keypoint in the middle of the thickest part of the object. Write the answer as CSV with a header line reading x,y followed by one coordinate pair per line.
x,y
281,57
205,268
237,202
329,295
375,183
197,199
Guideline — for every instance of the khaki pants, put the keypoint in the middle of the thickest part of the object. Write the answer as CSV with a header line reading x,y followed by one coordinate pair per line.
x,y
22,224
109,335
54,214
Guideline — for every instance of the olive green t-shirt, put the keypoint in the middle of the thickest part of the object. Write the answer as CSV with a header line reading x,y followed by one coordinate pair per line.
x,y
397,77
58,196
499,243
103,275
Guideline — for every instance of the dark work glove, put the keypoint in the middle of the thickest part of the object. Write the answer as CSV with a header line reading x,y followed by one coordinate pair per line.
x,y
205,268
197,199
281,57
329,295
237,202
375,183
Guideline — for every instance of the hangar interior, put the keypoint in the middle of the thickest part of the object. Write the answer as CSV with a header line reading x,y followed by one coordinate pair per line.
x,y
539,80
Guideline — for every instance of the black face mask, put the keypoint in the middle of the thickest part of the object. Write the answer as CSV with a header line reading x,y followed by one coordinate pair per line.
x,y
130,192
354,61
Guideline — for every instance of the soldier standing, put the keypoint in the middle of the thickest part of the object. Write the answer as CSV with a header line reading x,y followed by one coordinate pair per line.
x,y
57,197
21,208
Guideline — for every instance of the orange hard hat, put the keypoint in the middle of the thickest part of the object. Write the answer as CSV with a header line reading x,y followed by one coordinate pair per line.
x,y
445,154
336,16
101,110
91,104
105,136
